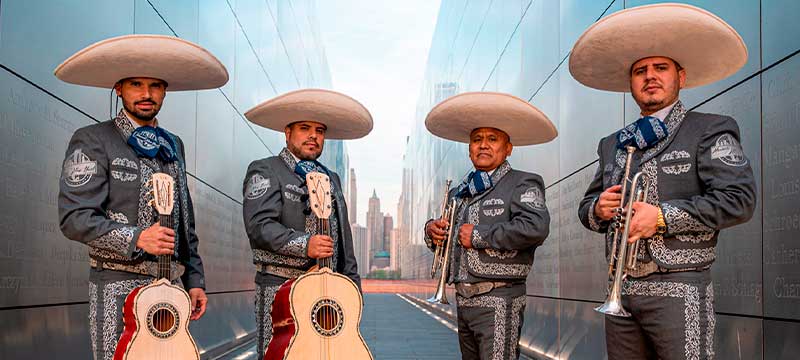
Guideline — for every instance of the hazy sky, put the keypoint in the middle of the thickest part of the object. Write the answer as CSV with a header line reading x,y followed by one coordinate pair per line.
x,y
377,52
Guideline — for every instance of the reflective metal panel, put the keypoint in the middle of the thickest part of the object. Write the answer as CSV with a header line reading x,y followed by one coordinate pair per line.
x,y
44,333
226,253
581,255
181,15
60,29
229,316
543,278
38,265
214,150
737,270
581,331
738,338
777,21
540,330
781,112
577,15
780,340
216,31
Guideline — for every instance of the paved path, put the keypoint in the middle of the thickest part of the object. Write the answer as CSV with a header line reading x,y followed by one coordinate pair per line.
x,y
396,329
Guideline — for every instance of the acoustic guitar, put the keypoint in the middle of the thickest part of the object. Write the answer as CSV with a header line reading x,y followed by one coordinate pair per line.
x,y
317,315
156,316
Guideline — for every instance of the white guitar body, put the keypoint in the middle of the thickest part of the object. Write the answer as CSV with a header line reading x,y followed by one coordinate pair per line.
x,y
160,328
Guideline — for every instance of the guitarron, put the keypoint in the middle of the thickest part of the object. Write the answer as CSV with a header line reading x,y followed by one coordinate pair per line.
x,y
156,316
317,315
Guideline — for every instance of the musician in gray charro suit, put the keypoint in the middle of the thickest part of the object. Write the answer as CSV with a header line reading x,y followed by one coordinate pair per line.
x,y
500,218
104,189
700,179
283,231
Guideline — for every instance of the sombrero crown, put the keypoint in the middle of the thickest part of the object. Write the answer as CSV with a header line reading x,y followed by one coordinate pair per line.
x,y
344,117
456,117
184,65
702,43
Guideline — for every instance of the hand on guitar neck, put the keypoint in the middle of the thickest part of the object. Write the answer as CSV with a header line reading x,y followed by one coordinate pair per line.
x,y
157,240
320,247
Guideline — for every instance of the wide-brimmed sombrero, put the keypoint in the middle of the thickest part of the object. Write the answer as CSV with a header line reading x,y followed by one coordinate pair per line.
x,y
344,117
184,65
702,43
456,117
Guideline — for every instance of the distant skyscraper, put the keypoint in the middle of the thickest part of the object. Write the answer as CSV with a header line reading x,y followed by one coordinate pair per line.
x,y
361,249
352,206
374,225
394,250
388,226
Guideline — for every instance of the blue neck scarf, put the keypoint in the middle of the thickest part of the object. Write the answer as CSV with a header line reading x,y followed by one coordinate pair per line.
x,y
476,183
644,133
304,167
153,142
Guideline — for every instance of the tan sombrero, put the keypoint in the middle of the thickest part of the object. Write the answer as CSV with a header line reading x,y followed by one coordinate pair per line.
x,y
702,43
184,65
345,117
456,117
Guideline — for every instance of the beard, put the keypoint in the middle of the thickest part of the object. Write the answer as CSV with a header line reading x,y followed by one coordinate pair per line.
x,y
297,151
139,114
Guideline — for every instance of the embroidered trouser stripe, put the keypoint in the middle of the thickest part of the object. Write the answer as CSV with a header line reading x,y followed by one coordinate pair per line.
x,y
266,287
672,318
489,325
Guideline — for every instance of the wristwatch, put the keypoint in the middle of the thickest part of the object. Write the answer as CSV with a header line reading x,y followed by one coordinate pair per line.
x,y
661,226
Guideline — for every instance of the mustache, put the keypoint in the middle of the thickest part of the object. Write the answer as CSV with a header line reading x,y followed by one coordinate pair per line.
x,y
145,101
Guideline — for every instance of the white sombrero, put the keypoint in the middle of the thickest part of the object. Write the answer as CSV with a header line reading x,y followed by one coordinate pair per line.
x,y
702,43
184,65
345,117
456,117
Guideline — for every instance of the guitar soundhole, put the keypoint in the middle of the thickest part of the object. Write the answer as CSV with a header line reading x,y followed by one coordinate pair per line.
x,y
327,317
162,320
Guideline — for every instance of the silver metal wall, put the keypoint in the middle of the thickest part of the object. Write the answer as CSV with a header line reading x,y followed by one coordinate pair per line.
x,y
269,47
522,47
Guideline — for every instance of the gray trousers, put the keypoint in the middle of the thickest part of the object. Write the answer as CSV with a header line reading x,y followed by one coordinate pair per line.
x,y
107,292
672,317
489,324
266,287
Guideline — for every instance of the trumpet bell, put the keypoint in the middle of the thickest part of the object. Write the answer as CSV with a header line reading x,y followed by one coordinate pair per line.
x,y
613,308
440,297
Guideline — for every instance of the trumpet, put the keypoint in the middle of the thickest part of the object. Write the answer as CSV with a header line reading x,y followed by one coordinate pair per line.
x,y
623,258
441,257
437,256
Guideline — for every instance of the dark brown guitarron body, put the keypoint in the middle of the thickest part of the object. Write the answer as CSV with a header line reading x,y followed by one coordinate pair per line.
x,y
317,315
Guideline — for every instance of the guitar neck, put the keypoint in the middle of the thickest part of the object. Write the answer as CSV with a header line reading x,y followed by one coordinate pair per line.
x,y
164,261
324,229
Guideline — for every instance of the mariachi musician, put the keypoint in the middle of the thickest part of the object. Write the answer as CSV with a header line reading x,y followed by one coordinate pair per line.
x,y
282,230
105,190
699,180
500,218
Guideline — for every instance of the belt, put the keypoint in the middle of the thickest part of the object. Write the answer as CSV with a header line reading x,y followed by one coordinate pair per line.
x,y
469,290
281,271
149,268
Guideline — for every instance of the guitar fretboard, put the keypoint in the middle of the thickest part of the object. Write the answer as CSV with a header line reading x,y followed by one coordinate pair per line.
x,y
164,261
324,229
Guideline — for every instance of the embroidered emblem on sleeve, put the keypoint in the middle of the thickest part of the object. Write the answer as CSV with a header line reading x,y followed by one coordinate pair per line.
x,y
256,187
534,198
728,150
79,169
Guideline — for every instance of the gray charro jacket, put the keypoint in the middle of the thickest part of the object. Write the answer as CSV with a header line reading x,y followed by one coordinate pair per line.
x,y
511,220
702,182
104,195
278,221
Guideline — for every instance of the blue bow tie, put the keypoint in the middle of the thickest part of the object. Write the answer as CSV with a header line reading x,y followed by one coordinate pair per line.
x,y
153,142
644,133
304,167
476,183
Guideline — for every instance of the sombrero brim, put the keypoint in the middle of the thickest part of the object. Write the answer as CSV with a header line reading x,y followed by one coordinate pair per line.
x,y
184,65
456,117
702,43
345,118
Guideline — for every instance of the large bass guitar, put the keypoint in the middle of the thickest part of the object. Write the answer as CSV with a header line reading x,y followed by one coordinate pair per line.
x,y
156,316
317,315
